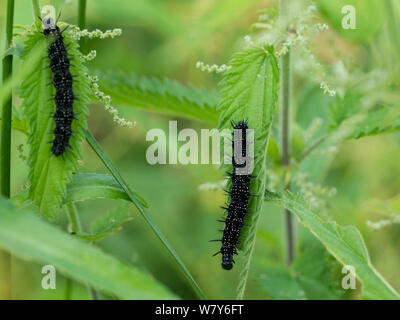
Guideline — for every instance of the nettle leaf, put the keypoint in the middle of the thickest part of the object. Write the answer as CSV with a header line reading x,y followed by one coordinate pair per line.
x,y
343,108
29,237
250,92
280,284
344,243
162,96
379,120
312,276
314,269
48,174
108,223
350,121
86,186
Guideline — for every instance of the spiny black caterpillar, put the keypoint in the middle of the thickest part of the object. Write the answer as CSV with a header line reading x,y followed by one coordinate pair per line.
x,y
62,81
238,197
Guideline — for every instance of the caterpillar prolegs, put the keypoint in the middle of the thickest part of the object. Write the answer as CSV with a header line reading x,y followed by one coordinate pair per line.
x,y
239,195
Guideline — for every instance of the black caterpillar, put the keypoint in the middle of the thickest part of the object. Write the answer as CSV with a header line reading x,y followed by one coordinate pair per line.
x,y
62,81
238,197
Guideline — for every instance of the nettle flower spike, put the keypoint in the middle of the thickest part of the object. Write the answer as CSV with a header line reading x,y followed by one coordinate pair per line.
x,y
78,33
101,96
212,186
301,36
327,89
377,225
213,68
90,56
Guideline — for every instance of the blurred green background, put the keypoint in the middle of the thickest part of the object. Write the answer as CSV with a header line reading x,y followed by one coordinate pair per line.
x,y
166,39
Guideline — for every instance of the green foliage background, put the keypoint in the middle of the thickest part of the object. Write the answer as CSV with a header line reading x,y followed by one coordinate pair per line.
x,y
167,38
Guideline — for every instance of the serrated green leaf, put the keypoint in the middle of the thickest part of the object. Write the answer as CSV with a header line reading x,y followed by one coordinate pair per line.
x,y
343,108
280,284
86,186
249,92
379,120
30,238
108,223
162,96
349,122
48,174
111,220
314,271
24,70
344,243
311,277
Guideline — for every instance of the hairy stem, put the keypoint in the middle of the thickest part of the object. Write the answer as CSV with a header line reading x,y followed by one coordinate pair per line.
x,y
97,149
5,148
285,108
76,227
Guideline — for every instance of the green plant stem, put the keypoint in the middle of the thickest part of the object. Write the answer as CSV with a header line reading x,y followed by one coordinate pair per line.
x,y
5,276
82,14
68,289
311,148
5,148
96,148
76,227
285,108
5,152
82,18
73,218
285,150
37,14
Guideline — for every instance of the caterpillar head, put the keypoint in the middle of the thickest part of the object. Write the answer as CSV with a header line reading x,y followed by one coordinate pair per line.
x,y
49,25
227,262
